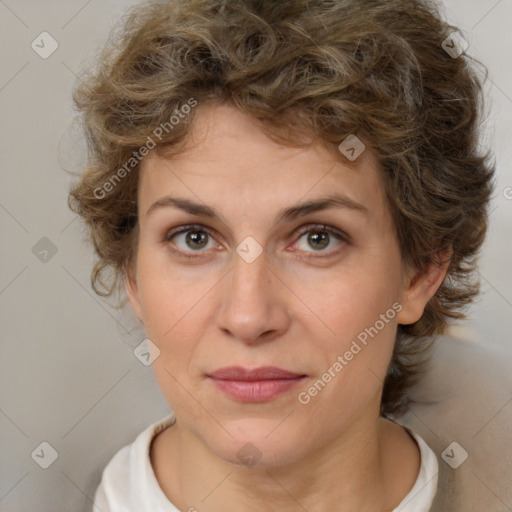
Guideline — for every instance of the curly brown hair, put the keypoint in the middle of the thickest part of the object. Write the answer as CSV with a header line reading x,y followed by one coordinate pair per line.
x,y
328,68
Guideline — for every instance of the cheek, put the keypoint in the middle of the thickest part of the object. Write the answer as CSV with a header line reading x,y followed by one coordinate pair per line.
x,y
352,300
353,362
166,295
360,309
171,310
176,309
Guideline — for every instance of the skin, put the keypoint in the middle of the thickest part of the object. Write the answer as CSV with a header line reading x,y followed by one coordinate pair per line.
x,y
298,306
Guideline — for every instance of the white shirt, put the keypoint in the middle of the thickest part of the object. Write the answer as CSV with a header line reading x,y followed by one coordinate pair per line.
x,y
129,484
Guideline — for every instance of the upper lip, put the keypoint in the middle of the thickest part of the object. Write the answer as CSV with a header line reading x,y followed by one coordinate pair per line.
x,y
254,374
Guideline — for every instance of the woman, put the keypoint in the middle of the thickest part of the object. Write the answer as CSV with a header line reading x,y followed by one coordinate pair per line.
x,y
292,197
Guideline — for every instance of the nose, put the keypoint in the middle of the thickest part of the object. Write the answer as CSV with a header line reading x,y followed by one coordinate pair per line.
x,y
253,307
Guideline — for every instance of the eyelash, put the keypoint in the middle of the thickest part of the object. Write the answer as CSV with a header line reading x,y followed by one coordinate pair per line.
x,y
340,235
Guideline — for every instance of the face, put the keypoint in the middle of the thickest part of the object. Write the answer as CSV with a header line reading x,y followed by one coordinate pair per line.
x,y
249,286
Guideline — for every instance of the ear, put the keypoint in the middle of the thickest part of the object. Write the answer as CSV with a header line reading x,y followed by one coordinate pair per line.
x,y
421,287
132,290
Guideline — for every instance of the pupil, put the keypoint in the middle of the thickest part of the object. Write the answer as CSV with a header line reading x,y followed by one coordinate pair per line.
x,y
323,235
193,238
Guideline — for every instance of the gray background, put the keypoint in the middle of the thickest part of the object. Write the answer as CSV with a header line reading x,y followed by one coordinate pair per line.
x,y
68,375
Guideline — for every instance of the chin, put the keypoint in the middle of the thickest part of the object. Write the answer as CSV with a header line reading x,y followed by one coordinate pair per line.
x,y
256,443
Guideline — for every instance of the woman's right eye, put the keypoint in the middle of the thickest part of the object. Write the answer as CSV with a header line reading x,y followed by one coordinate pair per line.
x,y
190,239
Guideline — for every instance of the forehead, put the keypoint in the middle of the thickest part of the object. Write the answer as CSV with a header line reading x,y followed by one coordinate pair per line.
x,y
228,160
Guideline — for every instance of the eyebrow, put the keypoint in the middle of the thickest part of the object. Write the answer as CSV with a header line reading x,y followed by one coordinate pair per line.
x,y
286,214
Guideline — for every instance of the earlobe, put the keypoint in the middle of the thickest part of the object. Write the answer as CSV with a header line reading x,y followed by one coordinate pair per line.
x,y
421,287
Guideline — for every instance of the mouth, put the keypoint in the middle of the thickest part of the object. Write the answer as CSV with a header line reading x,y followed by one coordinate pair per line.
x,y
254,385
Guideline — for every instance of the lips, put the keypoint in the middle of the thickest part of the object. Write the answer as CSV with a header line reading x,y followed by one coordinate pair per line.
x,y
264,373
254,385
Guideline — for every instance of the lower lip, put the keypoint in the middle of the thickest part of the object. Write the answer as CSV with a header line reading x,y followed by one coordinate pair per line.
x,y
256,391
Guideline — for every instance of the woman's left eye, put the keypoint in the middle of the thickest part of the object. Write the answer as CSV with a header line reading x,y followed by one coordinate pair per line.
x,y
319,236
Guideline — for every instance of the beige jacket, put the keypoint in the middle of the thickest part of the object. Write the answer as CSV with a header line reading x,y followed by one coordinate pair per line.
x,y
466,398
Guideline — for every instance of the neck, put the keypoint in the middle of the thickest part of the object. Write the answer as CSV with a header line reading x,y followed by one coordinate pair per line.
x,y
370,467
